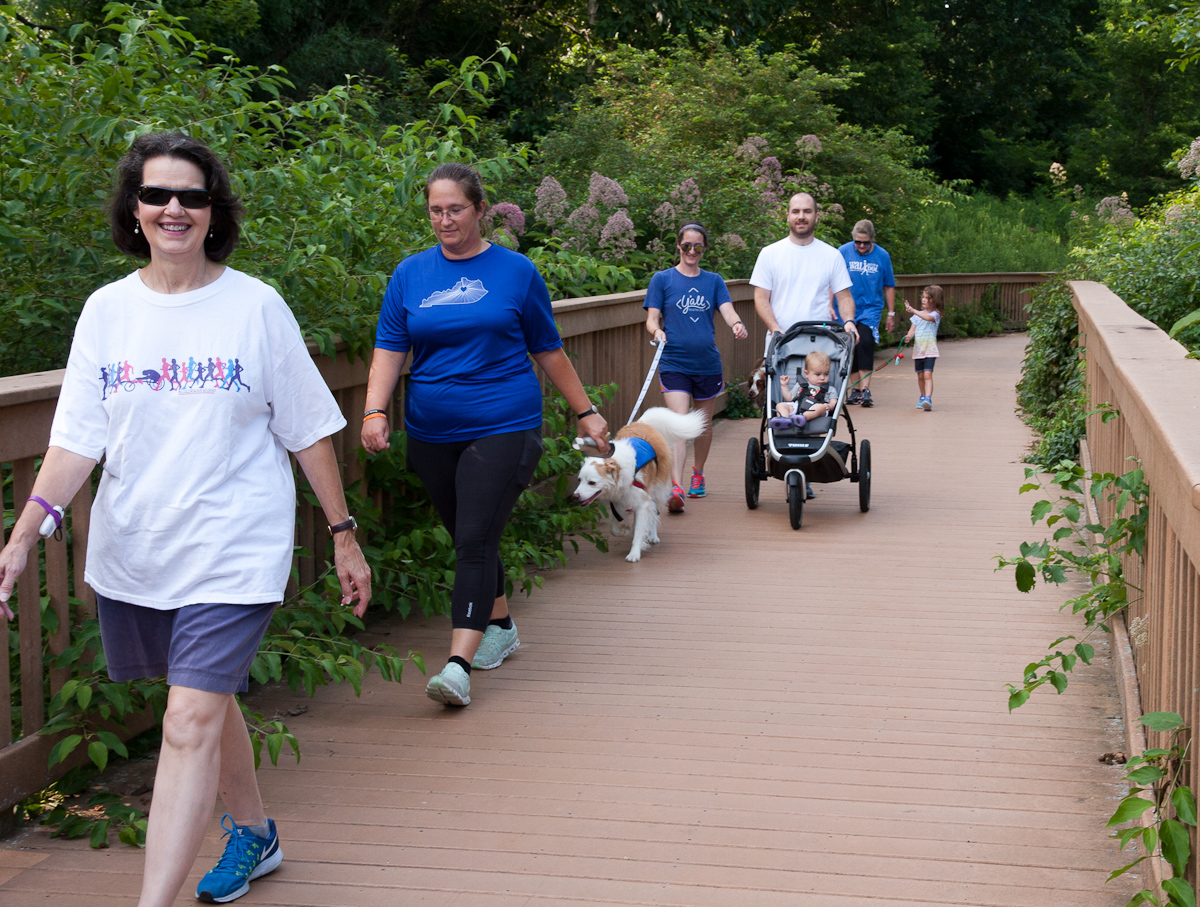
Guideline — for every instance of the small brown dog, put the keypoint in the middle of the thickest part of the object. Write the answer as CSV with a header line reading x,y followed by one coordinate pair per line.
x,y
756,384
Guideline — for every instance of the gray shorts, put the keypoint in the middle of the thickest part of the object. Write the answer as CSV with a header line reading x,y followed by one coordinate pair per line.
x,y
204,646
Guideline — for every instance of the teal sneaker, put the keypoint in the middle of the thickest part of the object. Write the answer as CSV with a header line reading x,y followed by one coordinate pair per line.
x,y
927,403
246,857
497,645
452,686
697,489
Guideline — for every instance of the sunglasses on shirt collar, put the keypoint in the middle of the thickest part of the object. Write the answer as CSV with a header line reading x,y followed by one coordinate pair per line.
x,y
160,196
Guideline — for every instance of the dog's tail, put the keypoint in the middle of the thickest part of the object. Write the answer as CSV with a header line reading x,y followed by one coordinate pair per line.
x,y
675,427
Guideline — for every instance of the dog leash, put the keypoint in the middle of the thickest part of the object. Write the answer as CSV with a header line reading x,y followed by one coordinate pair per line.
x,y
661,344
891,359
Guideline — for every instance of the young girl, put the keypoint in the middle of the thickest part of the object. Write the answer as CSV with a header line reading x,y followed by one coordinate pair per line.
x,y
925,352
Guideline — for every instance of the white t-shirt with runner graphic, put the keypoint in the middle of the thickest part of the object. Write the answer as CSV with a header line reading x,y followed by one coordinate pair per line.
x,y
193,400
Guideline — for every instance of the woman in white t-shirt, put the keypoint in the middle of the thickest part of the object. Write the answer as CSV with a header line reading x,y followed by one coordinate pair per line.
x,y
193,383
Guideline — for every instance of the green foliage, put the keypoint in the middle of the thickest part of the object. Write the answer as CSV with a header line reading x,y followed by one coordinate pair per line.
x,y
1074,551
1010,79
883,46
1144,108
672,128
738,404
334,196
979,234
1155,783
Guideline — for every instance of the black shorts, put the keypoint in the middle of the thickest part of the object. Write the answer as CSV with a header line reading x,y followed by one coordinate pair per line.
x,y
925,365
864,352
698,387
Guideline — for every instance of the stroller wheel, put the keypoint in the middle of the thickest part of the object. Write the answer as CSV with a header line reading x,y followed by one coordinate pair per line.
x,y
795,496
753,462
864,476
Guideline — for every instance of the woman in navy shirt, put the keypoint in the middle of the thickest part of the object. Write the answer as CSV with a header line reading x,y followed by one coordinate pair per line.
x,y
680,305
471,313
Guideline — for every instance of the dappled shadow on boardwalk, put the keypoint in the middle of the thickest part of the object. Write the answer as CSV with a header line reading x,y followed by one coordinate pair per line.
x,y
702,728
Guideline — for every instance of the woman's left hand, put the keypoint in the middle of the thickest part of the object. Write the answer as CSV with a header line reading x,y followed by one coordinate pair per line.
x,y
596,428
740,332
352,571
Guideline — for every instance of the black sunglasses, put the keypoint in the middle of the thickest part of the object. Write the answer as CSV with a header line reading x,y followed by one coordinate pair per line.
x,y
160,196
689,246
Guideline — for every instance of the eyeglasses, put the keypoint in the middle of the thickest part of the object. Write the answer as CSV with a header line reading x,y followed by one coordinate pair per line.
x,y
453,213
863,242
689,246
160,196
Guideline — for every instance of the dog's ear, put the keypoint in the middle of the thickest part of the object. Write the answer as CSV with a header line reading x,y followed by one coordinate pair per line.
x,y
610,467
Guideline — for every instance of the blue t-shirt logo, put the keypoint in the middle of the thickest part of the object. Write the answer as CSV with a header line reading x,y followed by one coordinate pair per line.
x,y
693,301
464,292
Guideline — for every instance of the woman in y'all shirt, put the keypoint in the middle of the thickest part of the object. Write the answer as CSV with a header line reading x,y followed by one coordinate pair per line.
x,y
681,303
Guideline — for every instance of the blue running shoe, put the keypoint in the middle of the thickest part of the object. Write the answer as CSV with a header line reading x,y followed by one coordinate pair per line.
x,y
697,489
246,857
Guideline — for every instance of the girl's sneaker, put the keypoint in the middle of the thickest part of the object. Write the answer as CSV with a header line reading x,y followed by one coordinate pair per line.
x,y
675,502
697,489
920,402
927,403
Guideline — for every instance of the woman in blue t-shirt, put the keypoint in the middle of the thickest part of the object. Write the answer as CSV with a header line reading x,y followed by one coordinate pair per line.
x,y
471,313
680,305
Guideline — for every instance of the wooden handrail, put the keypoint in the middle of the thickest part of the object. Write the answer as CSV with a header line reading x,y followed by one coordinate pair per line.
x,y
1135,367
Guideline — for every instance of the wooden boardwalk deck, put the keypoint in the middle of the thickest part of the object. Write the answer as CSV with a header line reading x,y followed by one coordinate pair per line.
x,y
703,729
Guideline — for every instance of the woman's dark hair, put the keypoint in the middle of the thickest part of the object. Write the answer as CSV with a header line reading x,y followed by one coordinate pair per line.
x,y
466,178
227,209
691,226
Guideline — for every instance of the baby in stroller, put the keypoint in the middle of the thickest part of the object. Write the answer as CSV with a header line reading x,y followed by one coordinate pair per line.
x,y
808,400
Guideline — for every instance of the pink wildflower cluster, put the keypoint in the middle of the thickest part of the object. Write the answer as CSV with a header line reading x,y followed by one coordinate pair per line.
x,y
551,204
686,197
1189,164
583,223
1115,210
752,150
511,218
808,146
664,217
770,182
656,246
617,237
1058,174
606,192
731,242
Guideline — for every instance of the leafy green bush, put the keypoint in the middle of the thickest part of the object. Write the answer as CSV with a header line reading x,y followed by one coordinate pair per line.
x,y
334,195
980,233
720,135
1148,264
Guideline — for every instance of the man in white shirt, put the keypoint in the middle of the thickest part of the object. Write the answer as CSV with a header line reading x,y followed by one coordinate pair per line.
x,y
793,278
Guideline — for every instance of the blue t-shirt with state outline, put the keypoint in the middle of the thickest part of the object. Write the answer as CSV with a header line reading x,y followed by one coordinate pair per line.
x,y
470,324
688,305
869,274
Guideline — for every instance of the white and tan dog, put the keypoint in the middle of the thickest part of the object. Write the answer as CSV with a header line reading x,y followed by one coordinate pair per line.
x,y
638,492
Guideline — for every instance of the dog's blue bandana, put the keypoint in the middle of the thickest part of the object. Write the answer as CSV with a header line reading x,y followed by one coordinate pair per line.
x,y
643,451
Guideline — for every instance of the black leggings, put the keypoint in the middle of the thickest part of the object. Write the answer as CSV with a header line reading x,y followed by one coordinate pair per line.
x,y
474,485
